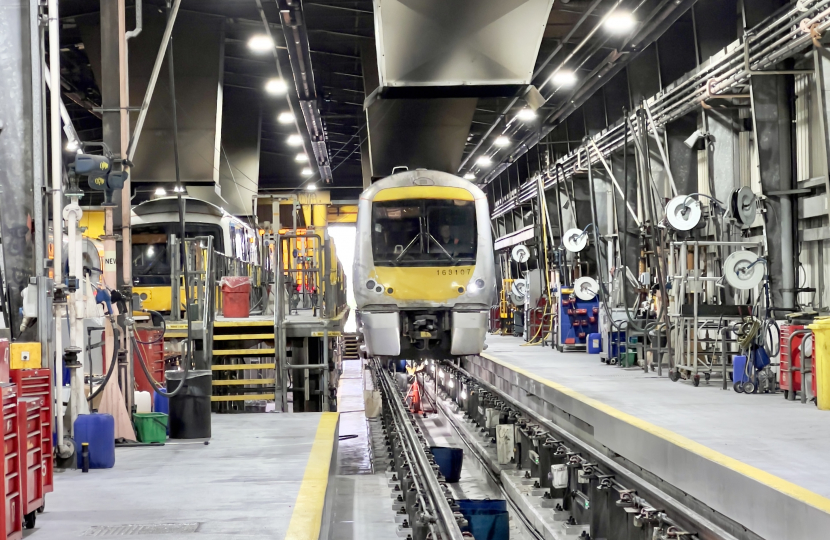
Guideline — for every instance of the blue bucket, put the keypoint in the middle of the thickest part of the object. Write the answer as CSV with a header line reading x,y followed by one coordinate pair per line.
x,y
161,404
488,519
449,462
739,369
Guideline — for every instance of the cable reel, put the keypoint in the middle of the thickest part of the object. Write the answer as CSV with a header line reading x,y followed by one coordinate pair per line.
x,y
518,291
586,288
575,240
520,253
743,206
744,270
683,213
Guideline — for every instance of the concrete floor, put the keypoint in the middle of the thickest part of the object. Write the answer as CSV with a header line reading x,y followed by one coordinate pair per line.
x,y
781,437
243,484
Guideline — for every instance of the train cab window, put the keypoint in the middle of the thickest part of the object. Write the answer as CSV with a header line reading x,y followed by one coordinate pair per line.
x,y
150,254
423,232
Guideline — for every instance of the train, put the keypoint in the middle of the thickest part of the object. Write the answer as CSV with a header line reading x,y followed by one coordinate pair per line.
x,y
154,222
424,274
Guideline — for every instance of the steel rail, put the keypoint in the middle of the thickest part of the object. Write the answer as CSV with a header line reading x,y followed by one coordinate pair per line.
x,y
706,528
778,38
440,504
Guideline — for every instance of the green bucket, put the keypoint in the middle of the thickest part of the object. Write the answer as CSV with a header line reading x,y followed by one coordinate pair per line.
x,y
628,359
151,427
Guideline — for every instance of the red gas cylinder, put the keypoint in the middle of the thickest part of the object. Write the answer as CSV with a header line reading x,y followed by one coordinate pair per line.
x,y
236,297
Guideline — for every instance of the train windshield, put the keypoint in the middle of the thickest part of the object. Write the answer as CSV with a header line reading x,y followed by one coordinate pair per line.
x,y
151,256
424,232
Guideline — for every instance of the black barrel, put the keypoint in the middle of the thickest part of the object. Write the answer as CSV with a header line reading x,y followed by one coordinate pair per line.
x,y
190,409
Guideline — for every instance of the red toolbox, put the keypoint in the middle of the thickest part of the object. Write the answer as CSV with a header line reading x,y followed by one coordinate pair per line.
x,y
38,383
31,457
11,520
153,355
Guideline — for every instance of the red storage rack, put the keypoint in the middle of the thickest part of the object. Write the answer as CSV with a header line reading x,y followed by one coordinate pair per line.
x,y
38,383
784,358
31,456
11,520
153,355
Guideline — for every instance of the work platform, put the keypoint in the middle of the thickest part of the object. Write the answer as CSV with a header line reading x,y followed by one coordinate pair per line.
x,y
263,476
758,459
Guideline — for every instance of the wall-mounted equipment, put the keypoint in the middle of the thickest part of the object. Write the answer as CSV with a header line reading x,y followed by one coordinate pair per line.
x,y
520,253
683,213
744,205
518,292
744,269
575,240
586,288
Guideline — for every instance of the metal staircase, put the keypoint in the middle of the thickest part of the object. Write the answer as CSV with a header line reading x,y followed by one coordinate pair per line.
x,y
243,363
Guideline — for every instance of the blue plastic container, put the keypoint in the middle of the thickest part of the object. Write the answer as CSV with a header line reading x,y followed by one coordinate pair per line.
x,y
594,343
616,344
449,461
99,431
161,404
739,369
488,519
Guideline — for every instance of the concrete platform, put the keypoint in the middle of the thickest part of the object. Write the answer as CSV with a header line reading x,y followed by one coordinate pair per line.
x,y
757,459
263,476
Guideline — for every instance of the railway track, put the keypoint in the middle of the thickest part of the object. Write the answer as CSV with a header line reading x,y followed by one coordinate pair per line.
x,y
558,486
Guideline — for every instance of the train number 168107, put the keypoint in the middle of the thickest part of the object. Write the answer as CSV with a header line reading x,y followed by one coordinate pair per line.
x,y
454,272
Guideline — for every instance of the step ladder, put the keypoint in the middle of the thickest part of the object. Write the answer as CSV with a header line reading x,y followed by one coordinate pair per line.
x,y
351,349
243,361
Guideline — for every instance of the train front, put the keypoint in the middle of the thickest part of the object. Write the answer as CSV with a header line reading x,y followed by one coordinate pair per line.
x,y
423,275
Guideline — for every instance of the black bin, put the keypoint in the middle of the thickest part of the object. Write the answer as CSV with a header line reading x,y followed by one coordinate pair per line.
x,y
190,409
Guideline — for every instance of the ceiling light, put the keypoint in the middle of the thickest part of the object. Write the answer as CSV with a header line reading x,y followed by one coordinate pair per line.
x,y
620,22
526,115
72,145
469,176
564,78
276,87
307,172
301,158
260,43
285,117
311,187
161,191
502,140
484,160
294,140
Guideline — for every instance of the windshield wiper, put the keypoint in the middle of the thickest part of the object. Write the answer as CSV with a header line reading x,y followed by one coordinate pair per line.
x,y
407,247
442,247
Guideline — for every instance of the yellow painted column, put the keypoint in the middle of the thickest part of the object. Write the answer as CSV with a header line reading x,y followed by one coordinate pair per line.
x,y
821,333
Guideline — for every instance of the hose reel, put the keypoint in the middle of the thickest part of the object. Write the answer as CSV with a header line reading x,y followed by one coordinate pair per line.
x,y
744,269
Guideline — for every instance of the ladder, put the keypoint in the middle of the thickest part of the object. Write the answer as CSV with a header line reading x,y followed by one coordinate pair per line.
x,y
243,364
351,350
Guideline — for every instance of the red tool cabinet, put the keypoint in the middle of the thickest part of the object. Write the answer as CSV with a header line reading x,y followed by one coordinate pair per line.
x,y
11,519
153,355
29,435
38,383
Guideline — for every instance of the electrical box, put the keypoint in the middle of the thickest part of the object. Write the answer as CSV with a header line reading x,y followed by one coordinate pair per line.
x,y
25,355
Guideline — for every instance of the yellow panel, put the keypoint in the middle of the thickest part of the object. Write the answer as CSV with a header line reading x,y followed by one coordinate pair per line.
x,y
434,284
157,298
342,214
237,382
242,337
244,352
423,192
246,322
244,366
25,355
243,397
93,220
307,516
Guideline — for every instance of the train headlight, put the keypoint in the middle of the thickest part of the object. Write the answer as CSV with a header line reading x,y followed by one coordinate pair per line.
x,y
475,286
370,284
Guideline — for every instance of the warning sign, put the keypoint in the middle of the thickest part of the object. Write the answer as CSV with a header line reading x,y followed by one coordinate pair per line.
x,y
109,261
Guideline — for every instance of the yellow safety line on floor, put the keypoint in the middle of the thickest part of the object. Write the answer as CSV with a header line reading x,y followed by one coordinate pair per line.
x,y
779,484
307,517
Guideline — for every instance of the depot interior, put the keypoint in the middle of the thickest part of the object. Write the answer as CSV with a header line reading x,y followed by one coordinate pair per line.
x,y
330,269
